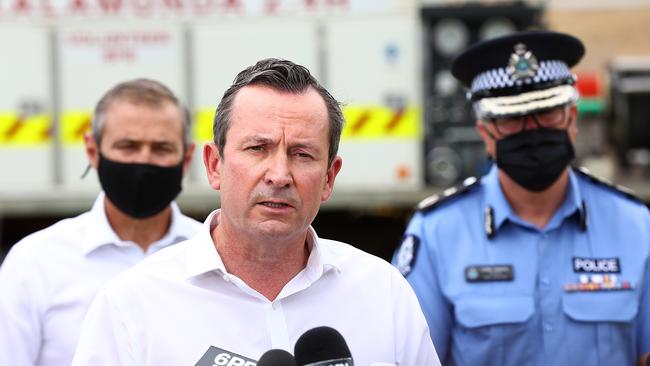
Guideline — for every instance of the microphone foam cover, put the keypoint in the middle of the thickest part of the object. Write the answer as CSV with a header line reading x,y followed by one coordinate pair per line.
x,y
320,344
276,357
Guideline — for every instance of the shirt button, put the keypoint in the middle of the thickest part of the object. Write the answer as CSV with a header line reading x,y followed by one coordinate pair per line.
x,y
548,327
274,305
545,281
226,278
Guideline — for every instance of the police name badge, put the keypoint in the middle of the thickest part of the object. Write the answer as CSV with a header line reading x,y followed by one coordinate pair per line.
x,y
485,273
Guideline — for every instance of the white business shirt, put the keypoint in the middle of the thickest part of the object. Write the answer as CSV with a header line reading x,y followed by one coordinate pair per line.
x,y
174,306
49,278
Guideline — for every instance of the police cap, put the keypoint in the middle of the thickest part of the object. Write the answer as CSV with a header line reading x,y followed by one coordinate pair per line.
x,y
519,73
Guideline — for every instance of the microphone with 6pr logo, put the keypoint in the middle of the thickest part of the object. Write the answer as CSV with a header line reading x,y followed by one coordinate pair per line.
x,y
322,346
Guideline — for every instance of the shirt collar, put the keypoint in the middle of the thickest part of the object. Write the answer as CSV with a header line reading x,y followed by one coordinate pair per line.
x,y
99,231
202,257
495,199
496,202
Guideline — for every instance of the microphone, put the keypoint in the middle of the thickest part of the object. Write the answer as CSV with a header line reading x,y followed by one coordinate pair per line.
x,y
276,357
322,346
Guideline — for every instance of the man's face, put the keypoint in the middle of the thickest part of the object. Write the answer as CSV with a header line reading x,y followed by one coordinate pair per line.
x,y
141,133
274,172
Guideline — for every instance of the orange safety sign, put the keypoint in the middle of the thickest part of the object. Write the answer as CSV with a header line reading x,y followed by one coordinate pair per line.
x,y
19,130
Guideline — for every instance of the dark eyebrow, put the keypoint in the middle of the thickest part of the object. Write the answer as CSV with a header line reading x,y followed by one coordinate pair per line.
x,y
304,146
125,141
257,140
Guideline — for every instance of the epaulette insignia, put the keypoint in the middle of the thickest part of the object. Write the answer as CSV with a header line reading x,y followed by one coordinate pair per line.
x,y
607,183
436,199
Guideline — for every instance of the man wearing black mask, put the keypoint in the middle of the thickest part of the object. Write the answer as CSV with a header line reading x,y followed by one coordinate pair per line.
x,y
140,145
536,263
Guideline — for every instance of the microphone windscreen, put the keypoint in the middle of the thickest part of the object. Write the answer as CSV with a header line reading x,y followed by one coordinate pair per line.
x,y
321,344
276,357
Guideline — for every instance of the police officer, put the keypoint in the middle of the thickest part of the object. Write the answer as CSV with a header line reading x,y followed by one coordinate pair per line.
x,y
536,263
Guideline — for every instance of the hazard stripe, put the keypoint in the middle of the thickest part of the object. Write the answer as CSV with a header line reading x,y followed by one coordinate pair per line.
x,y
361,122
375,122
203,125
74,124
17,130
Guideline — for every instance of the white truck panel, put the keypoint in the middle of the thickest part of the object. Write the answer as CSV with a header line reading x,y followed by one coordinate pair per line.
x,y
26,90
371,61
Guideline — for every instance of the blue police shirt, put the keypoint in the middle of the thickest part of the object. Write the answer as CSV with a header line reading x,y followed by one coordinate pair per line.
x,y
497,290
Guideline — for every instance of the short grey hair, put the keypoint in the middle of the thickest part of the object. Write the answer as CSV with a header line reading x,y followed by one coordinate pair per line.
x,y
280,75
139,91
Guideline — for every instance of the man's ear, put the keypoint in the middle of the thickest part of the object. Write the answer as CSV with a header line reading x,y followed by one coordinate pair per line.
x,y
212,160
187,157
488,141
332,172
573,122
92,149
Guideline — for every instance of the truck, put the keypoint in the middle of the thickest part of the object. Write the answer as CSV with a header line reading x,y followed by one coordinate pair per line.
x,y
408,129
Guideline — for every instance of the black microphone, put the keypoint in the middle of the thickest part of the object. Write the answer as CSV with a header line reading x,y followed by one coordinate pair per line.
x,y
322,346
276,357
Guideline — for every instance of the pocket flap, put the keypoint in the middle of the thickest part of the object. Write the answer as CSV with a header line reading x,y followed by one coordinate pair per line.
x,y
478,311
601,306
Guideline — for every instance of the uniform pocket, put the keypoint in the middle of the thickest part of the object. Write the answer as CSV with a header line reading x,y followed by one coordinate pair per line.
x,y
601,306
608,317
479,311
490,325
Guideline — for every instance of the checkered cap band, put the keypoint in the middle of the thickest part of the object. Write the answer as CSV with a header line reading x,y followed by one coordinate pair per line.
x,y
549,70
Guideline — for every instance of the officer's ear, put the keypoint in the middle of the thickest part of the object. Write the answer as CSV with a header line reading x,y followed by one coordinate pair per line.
x,y
573,122
486,136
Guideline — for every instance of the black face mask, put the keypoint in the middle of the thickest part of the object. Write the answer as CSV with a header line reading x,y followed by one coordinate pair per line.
x,y
535,158
139,190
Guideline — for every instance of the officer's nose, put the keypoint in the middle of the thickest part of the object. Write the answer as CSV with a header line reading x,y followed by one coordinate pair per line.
x,y
529,122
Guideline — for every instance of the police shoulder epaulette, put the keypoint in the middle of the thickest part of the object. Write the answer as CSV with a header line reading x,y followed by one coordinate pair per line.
x,y
434,200
607,183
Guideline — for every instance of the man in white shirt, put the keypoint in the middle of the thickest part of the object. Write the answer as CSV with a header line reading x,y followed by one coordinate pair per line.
x,y
257,276
141,148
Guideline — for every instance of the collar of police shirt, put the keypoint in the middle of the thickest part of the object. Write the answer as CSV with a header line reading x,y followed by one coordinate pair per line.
x,y
101,233
495,198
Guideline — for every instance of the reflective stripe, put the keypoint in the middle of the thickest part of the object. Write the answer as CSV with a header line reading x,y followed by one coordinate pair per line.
x,y
361,122
74,124
16,130
203,124
373,122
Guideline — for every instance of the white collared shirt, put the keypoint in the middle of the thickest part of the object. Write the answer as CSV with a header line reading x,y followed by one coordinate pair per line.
x,y
49,278
174,306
